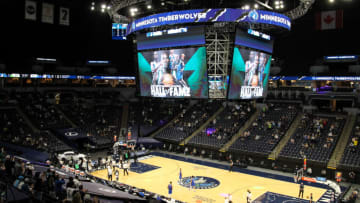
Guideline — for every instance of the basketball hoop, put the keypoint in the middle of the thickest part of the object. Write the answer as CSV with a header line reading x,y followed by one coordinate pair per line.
x,y
299,175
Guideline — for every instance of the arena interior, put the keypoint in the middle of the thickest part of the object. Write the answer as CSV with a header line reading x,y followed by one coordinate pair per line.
x,y
179,101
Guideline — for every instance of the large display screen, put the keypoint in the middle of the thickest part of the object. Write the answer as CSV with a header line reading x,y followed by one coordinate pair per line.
x,y
119,31
249,75
249,40
182,36
209,15
174,73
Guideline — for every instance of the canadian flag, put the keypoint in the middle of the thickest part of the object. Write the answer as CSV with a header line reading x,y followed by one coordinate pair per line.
x,y
328,20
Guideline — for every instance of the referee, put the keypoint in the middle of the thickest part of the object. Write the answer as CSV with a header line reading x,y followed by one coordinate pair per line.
x,y
301,192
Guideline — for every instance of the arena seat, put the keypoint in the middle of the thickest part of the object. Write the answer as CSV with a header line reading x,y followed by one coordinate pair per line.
x,y
224,126
315,138
267,130
351,158
189,121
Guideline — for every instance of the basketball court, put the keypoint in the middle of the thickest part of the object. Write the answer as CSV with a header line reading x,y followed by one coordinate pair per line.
x,y
154,172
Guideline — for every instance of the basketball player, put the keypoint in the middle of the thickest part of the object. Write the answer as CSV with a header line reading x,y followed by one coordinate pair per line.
x,y
193,182
164,64
311,198
117,175
180,175
170,188
172,63
230,198
248,196
109,173
126,167
180,70
174,66
262,64
251,66
155,68
301,191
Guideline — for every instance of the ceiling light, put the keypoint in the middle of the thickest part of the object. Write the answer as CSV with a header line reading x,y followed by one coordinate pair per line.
x,y
148,6
103,6
256,6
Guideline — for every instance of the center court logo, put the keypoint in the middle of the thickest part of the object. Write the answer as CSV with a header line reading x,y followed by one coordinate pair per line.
x,y
253,16
201,182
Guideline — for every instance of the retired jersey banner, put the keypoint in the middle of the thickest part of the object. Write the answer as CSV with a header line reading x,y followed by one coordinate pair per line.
x,y
30,10
47,13
210,15
64,16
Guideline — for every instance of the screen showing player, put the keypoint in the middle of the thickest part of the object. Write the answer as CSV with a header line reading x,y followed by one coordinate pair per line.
x,y
249,75
174,73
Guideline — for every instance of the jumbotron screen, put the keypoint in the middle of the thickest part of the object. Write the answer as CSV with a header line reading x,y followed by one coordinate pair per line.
x,y
174,73
184,36
249,75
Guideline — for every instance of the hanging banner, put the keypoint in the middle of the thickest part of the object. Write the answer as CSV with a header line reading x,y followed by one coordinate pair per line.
x,y
64,16
30,10
47,13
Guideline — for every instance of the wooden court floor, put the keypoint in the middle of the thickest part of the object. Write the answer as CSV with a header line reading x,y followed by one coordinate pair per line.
x,y
235,183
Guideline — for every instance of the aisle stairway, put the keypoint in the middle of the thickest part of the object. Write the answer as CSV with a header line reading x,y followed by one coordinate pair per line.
x,y
275,153
73,125
343,140
27,120
186,140
241,131
169,123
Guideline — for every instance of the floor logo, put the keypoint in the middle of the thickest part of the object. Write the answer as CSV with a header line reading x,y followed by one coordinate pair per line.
x,y
201,182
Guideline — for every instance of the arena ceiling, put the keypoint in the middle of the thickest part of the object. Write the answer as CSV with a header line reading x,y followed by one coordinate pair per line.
x,y
89,35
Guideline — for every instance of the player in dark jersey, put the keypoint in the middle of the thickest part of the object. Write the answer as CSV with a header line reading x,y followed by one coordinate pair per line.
x,y
170,189
180,70
262,64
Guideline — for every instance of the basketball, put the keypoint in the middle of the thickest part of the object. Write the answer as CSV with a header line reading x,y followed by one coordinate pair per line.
x,y
168,79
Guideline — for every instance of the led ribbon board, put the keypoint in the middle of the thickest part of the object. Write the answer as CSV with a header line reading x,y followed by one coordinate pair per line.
x,y
210,15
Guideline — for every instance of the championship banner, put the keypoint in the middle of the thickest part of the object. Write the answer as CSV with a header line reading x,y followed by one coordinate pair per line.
x,y
47,13
210,15
64,16
30,10
175,73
